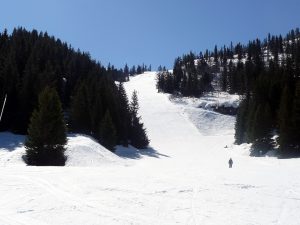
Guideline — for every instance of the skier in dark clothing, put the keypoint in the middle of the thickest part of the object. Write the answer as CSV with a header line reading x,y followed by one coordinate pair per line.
x,y
230,162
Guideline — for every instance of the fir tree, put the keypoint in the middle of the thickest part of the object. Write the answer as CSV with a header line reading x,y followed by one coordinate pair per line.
x,y
262,130
285,122
47,132
124,111
296,116
139,70
126,72
80,115
107,131
138,134
240,124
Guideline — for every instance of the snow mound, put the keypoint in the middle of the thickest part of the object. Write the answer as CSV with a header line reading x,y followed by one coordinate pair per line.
x,y
210,100
210,123
200,112
83,150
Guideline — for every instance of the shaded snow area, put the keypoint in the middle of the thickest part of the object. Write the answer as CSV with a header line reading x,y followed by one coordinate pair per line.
x,y
11,149
183,178
200,112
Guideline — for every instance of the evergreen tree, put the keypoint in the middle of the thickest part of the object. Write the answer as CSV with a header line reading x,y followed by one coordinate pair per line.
x,y
96,112
107,131
160,82
178,74
30,61
224,79
251,72
262,130
126,72
80,115
285,122
169,82
124,111
139,70
240,124
47,132
296,121
132,71
138,134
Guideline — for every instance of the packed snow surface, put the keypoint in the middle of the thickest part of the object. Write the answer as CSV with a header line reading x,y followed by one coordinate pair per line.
x,y
183,178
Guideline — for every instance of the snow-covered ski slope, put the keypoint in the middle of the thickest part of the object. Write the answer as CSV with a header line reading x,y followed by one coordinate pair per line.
x,y
182,179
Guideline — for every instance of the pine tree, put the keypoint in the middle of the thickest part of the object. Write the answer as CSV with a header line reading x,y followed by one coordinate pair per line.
x,y
296,108
224,79
177,73
262,130
138,134
80,115
96,112
124,111
169,82
250,121
296,121
132,71
160,82
240,124
139,70
47,132
126,72
285,122
107,131
134,104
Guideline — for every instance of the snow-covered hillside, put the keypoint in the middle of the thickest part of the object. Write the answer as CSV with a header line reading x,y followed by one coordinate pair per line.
x,y
183,178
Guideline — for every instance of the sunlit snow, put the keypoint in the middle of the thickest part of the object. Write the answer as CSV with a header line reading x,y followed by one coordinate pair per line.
x,y
183,178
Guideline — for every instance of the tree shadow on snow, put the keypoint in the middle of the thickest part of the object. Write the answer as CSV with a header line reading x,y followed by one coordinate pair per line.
x,y
10,142
128,152
133,153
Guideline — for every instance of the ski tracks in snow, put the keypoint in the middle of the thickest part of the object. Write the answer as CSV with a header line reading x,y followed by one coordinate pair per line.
x,y
192,186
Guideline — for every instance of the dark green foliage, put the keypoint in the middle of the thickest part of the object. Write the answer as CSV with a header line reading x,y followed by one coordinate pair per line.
x,y
285,121
261,130
107,132
31,61
28,63
224,79
241,120
138,135
125,112
47,132
139,69
190,77
80,117
272,89
265,73
90,100
290,122
296,116
165,82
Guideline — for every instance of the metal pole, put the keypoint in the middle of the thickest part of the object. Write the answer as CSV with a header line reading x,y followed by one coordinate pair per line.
x,y
3,107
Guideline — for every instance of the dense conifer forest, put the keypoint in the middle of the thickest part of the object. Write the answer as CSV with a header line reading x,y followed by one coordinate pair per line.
x,y
266,75
92,103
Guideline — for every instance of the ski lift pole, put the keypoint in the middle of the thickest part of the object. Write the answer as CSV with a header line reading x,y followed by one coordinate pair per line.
x,y
3,107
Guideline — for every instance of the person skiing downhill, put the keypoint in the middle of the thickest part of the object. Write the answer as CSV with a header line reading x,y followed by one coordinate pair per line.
x,y
230,162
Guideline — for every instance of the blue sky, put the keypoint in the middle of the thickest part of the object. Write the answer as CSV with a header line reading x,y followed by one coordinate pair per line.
x,y
151,31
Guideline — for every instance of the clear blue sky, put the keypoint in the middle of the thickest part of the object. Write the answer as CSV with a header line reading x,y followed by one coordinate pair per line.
x,y
151,31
